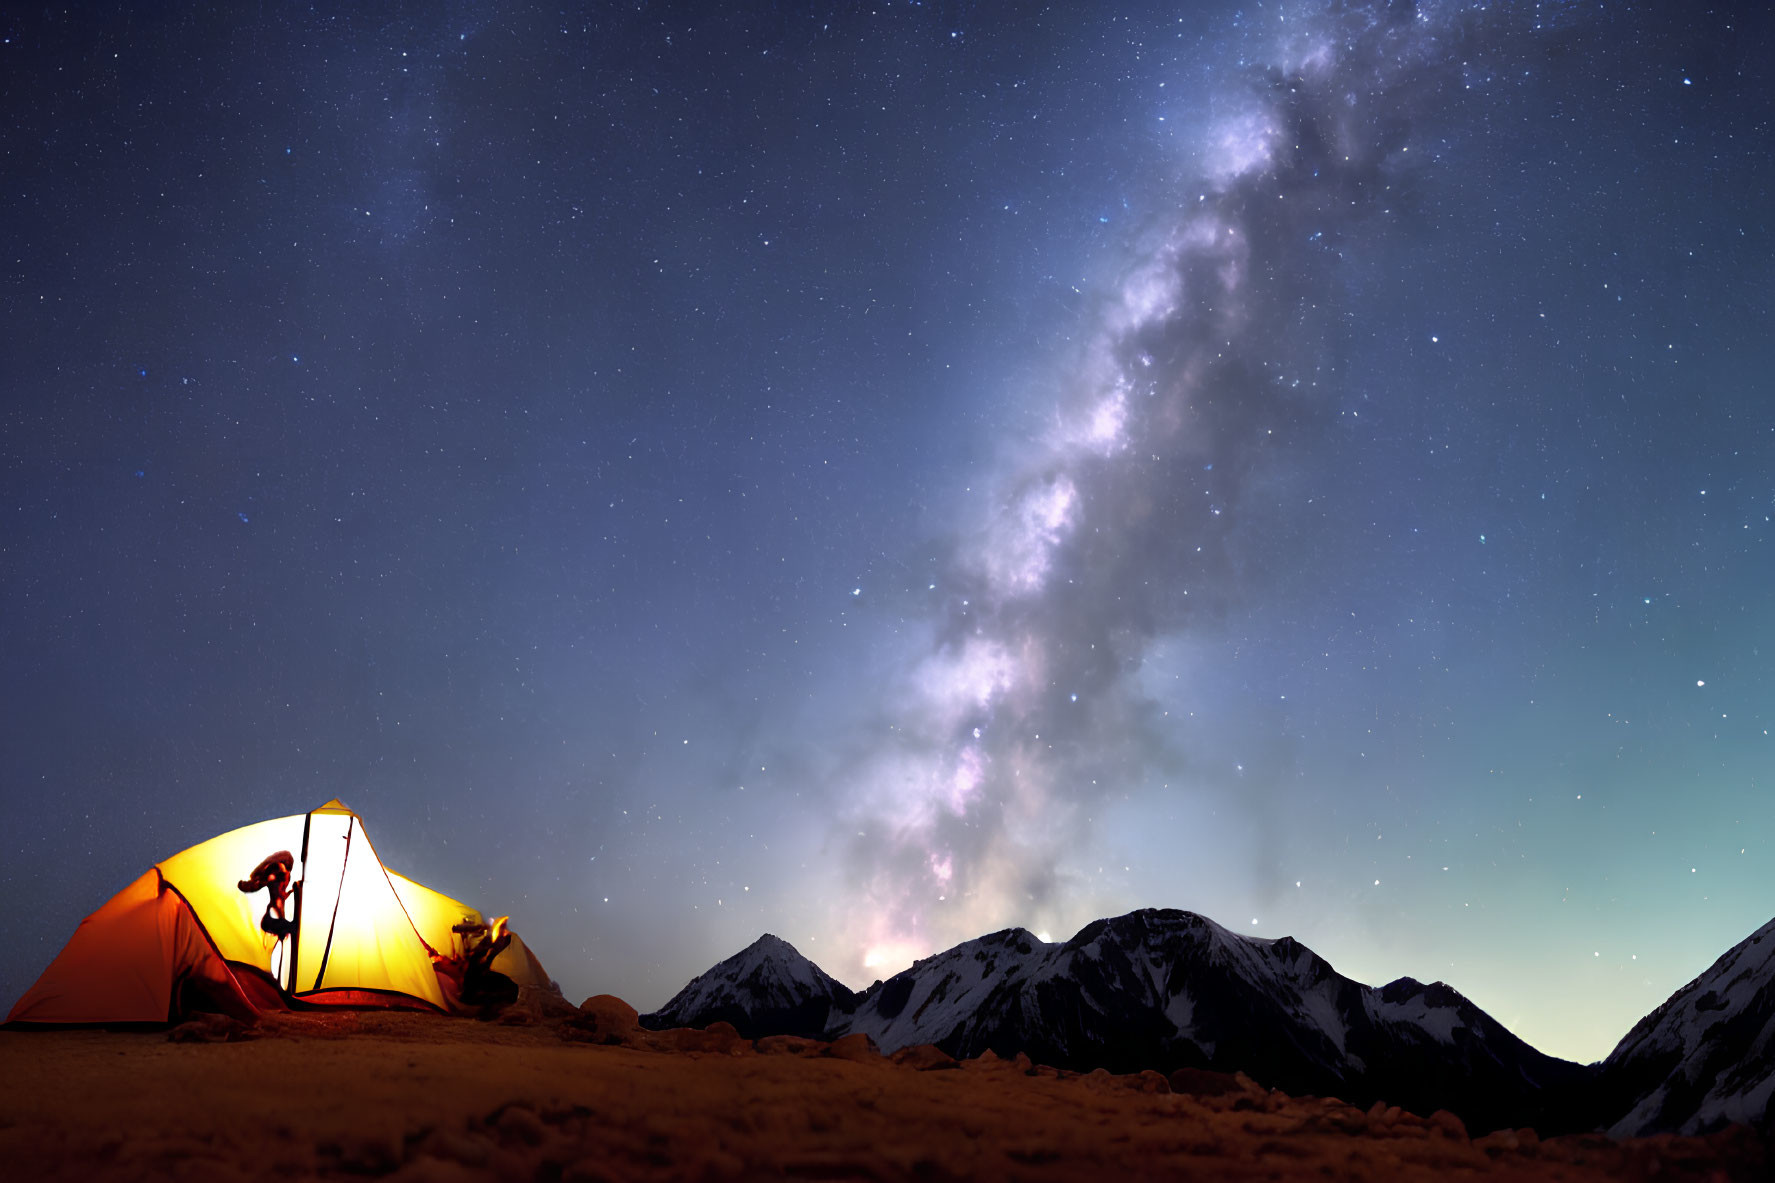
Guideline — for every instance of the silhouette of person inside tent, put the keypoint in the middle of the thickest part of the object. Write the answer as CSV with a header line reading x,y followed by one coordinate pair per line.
x,y
273,873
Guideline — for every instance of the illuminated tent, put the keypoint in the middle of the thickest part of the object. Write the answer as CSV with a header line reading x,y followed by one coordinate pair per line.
x,y
185,936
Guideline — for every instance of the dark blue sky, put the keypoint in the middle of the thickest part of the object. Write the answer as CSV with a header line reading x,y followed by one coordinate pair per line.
x,y
883,475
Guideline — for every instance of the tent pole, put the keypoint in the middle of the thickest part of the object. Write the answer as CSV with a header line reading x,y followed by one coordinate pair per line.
x,y
296,930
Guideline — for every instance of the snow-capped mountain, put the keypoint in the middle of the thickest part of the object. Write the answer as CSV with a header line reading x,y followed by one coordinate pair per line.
x,y
1166,989
767,988
1705,1058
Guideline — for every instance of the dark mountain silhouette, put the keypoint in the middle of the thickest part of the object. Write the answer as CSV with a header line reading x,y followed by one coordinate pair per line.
x,y
1704,1059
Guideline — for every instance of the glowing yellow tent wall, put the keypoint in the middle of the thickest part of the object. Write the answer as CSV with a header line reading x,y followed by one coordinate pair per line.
x,y
184,934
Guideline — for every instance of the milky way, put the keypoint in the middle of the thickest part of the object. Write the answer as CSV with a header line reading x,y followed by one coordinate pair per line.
x,y
1199,373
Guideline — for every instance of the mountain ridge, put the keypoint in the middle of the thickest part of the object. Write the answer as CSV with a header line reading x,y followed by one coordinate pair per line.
x,y
1168,989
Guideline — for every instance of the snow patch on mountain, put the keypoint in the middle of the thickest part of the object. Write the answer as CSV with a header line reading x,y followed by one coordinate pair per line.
x,y
1181,1010
932,1000
1705,1058
1434,1009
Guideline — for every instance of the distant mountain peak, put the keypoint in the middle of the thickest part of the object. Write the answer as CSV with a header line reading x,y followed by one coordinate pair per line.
x,y
770,947
768,987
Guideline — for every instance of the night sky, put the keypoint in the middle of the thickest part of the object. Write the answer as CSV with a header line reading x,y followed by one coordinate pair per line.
x,y
883,474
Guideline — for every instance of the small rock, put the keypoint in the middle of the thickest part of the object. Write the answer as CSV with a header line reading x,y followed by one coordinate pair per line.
x,y
726,1038
857,1046
1345,1119
1144,1081
1103,1080
925,1057
1449,1125
789,1045
1198,1082
1497,1142
1022,1063
516,1123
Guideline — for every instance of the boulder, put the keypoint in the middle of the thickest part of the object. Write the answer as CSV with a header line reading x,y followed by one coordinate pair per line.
x,y
856,1046
605,1019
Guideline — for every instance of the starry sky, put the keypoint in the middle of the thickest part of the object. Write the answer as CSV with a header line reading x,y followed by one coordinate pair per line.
x,y
879,474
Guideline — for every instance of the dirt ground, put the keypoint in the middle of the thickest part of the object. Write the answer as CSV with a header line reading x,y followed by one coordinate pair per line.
x,y
588,1096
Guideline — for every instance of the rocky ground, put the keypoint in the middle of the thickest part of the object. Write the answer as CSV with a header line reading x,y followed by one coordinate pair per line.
x,y
550,1092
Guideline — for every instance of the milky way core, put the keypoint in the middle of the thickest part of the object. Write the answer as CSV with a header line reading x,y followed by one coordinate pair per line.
x,y
1198,374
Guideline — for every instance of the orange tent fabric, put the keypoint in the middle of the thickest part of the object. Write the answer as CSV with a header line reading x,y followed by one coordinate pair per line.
x,y
138,959
184,936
